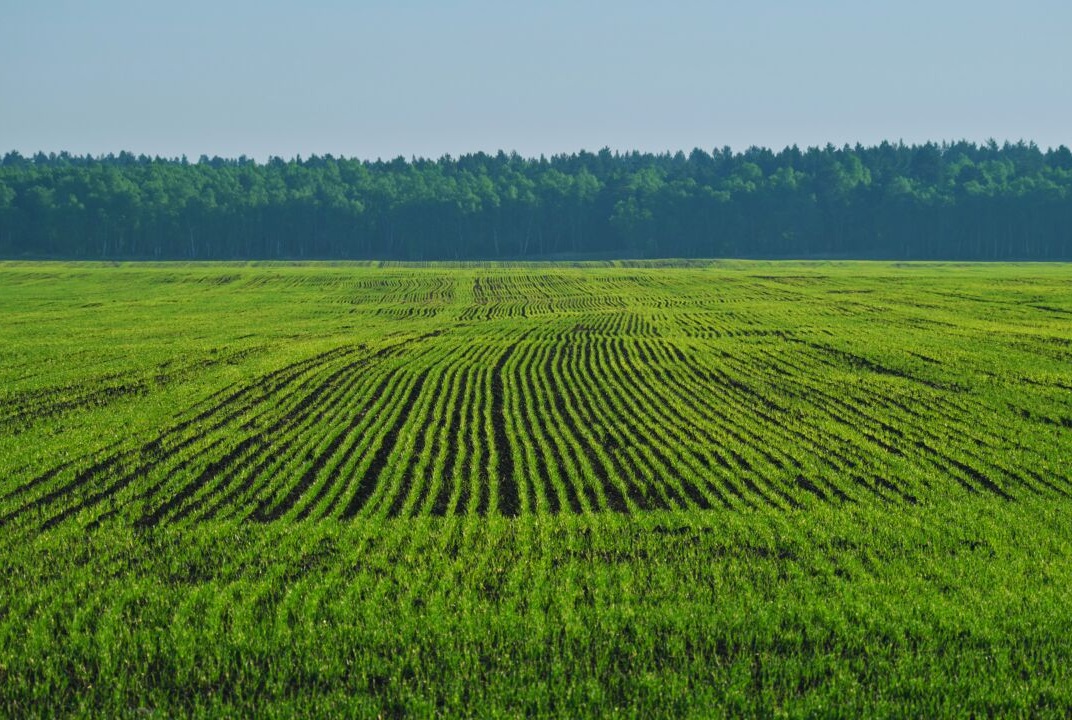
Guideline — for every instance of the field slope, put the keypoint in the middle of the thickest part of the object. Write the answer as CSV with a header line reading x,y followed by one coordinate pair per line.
x,y
635,488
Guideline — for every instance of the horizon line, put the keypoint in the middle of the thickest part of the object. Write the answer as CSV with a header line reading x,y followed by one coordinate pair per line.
x,y
512,154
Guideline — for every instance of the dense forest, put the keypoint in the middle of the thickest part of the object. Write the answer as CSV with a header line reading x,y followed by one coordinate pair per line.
x,y
931,201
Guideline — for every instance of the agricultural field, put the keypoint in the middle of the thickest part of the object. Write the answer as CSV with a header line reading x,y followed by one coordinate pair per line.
x,y
681,488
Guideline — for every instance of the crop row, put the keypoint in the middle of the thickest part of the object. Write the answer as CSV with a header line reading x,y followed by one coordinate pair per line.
x,y
510,391
545,419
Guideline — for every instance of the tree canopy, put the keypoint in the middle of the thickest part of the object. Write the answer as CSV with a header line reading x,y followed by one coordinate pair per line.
x,y
933,201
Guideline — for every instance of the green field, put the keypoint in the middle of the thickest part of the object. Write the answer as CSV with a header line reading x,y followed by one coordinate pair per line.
x,y
802,489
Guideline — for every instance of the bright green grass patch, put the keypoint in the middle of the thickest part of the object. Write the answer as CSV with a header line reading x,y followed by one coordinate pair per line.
x,y
934,611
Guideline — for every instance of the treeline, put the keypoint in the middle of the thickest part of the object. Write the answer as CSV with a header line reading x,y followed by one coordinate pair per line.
x,y
948,201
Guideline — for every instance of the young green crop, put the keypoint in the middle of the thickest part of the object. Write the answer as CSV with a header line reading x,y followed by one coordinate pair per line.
x,y
723,488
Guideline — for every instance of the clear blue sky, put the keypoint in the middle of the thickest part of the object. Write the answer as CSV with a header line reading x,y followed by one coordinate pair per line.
x,y
416,77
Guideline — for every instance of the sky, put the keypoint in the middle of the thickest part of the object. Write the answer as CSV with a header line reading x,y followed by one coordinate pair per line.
x,y
372,79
